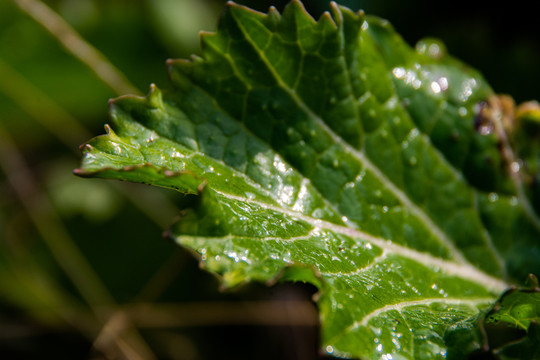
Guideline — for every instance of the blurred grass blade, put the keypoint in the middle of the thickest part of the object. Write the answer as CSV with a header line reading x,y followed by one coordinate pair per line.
x,y
77,46
60,243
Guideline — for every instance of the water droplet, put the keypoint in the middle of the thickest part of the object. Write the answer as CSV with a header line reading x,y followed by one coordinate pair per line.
x,y
117,149
432,48
462,111
344,219
329,349
335,163
365,25
350,185
379,347
435,87
467,89
492,197
486,129
385,209
399,72
515,166
279,165
443,83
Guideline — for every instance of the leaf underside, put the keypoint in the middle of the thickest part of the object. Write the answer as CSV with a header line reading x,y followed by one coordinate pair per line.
x,y
331,145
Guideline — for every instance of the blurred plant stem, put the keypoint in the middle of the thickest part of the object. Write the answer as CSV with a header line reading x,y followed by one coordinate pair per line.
x,y
77,46
71,133
59,241
43,109
268,313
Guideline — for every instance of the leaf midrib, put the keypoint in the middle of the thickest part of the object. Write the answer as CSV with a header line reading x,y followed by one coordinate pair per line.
x,y
462,270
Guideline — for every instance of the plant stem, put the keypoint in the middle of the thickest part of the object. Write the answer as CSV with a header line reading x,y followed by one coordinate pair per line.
x,y
58,239
77,46
46,112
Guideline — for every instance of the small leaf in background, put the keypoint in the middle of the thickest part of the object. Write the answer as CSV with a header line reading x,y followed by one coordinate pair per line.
x,y
511,327
332,145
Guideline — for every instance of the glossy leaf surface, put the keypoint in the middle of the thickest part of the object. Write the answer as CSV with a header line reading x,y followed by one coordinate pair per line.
x,y
511,328
331,152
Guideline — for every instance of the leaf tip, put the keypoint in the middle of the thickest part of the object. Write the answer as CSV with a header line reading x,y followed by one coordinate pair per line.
x,y
155,97
273,17
177,70
78,172
86,147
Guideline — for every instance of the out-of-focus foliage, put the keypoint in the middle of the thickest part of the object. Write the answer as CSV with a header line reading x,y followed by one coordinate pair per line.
x,y
43,88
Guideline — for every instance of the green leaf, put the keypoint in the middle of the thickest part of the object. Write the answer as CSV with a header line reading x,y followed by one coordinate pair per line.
x,y
517,308
517,311
332,152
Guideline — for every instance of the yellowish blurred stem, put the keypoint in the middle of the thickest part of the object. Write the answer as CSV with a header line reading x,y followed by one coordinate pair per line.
x,y
162,278
41,107
42,214
267,313
500,118
46,112
59,240
77,46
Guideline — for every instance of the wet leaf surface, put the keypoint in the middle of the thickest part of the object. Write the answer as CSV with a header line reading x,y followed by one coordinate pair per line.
x,y
332,152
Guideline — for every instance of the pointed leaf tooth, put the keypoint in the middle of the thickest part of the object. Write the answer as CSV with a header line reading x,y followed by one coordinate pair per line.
x,y
333,148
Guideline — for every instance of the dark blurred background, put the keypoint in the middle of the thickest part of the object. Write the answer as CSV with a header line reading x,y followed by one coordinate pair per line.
x,y
84,270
